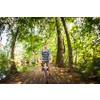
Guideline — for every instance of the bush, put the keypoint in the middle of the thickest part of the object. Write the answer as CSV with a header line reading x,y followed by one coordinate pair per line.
x,y
89,69
3,57
4,68
98,74
24,68
85,75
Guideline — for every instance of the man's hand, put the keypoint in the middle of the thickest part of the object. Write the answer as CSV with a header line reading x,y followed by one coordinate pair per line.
x,y
50,61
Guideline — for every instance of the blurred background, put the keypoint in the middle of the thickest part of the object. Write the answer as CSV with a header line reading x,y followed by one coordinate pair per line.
x,y
73,41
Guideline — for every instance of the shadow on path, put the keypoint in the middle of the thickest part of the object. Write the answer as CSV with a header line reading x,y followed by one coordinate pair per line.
x,y
58,76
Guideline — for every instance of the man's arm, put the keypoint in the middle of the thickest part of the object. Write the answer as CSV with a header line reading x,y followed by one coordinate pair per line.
x,y
39,58
51,57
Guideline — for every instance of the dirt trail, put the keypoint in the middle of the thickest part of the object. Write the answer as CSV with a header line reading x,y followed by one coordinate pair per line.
x,y
58,76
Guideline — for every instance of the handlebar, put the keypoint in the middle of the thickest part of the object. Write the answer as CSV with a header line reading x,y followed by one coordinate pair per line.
x,y
45,60
45,67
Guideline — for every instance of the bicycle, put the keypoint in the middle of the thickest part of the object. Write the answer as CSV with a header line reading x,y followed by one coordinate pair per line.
x,y
46,73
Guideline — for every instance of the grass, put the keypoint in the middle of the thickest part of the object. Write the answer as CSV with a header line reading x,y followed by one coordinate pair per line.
x,y
26,68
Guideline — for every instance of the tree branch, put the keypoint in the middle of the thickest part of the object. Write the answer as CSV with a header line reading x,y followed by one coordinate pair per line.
x,y
17,32
12,31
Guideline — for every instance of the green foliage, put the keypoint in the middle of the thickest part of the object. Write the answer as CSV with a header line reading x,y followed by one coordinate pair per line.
x,y
4,68
34,32
98,74
3,57
85,75
89,69
96,66
24,68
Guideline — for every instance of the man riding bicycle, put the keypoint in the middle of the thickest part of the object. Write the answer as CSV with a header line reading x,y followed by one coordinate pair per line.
x,y
45,53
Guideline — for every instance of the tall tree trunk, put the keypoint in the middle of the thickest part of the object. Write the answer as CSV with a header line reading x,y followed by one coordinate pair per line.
x,y
13,68
76,57
60,50
94,55
69,46
64,45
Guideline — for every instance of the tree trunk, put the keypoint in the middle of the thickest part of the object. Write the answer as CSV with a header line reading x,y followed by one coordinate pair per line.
x,y
64,45
60,50
94,55
69,46
13,68
76,57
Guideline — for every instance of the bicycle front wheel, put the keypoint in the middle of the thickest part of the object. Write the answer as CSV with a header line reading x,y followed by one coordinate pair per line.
x,y
46,76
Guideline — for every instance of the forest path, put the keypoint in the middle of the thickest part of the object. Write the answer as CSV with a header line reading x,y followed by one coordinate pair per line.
x,y
35,76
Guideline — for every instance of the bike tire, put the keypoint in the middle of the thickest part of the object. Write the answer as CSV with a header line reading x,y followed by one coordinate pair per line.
x,y
46,76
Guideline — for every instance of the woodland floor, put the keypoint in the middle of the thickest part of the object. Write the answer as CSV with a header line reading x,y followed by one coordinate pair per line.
x,y
58,76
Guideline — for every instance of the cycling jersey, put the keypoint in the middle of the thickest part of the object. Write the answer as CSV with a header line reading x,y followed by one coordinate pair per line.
x,y
45,55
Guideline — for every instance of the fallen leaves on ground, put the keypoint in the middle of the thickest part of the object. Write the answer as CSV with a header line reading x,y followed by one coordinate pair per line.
x,y
58,76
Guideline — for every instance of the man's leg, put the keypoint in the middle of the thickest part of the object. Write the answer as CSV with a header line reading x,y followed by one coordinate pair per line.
x,y
48,69
48,65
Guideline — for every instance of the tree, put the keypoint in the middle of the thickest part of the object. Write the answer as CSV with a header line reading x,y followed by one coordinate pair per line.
x,y
69,46
18,27
11,22
60,49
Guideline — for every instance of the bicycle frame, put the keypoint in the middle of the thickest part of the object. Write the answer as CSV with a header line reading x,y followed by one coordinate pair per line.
x,y
46,73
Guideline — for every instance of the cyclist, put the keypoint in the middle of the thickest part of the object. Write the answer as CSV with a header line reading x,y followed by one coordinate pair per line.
x,y
45,53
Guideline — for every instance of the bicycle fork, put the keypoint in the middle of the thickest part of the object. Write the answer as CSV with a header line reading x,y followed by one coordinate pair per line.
x,y
46,73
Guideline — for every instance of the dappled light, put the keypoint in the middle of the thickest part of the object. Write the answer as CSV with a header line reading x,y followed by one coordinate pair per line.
x,y
72,45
